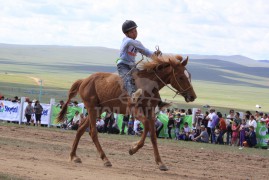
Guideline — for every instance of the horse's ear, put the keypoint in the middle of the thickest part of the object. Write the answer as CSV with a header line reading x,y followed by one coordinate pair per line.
x,y
185,61
178,57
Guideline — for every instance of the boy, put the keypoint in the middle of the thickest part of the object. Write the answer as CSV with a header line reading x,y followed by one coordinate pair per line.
x,y
126,61
251,137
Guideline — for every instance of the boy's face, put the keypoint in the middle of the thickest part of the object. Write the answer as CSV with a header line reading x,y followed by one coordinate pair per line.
x,y
132,33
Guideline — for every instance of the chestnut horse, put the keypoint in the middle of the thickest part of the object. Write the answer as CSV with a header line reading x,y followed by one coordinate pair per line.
x,y
104,92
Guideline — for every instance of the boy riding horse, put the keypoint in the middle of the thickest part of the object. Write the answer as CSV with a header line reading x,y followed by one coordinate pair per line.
x,y
126,63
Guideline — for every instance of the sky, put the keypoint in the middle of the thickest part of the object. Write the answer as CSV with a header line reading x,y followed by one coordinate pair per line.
x,y
206,27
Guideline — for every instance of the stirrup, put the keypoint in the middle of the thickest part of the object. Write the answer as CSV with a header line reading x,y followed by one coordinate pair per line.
x,y
162,105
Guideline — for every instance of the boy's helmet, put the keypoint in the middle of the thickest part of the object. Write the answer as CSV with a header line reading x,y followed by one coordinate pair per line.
x,y
128,25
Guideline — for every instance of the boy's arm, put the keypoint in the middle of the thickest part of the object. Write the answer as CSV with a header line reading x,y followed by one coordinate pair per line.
x,y
139,46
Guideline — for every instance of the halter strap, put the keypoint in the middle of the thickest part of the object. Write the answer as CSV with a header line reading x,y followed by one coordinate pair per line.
x,y
175,91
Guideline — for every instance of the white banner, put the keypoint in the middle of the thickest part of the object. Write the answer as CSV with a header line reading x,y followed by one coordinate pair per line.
x,y
45,118
10,111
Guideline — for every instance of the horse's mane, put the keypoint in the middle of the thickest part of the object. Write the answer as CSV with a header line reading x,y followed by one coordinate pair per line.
x,y
156,61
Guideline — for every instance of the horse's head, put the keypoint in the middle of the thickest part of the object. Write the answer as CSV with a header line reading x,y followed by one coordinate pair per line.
x,y
171,69
180,78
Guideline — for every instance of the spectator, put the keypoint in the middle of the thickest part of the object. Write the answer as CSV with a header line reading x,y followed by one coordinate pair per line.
x,y
251,137
75,104
258,115
198,121
137,128
29,111
223,129
159,126
242,130
16,99
247,117
131,126
187,131
203,137
182,135
189,112
237,119
192,135
267,122
61,103
178,121
252,122
217,134
170,124
125,121
75,121
235,134
109,121
205,119
212,122
229,120
115,127
38,109
168,111
100,123
182,112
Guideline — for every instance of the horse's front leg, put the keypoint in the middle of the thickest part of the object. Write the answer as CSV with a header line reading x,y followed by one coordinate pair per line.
x,y
140,143
80,132
155,147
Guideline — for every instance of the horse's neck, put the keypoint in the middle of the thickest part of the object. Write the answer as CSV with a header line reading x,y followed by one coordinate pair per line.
x,y
152,80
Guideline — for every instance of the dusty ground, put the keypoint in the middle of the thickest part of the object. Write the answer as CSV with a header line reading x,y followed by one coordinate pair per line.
x,y
42,153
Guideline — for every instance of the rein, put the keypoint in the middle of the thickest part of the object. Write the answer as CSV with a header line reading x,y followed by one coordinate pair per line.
x,y
165,84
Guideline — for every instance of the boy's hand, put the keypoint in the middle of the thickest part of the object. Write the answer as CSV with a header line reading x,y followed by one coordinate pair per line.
x,y
158,52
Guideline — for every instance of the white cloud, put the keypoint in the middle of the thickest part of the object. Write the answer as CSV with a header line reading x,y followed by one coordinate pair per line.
x,y
224,27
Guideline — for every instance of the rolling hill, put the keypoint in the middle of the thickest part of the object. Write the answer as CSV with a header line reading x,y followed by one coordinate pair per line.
x,y
229,79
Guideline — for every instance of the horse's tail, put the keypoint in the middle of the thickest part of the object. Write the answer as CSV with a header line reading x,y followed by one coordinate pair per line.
x,y
72,93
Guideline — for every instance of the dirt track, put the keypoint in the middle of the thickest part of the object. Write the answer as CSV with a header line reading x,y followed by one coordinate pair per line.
x,y
42,153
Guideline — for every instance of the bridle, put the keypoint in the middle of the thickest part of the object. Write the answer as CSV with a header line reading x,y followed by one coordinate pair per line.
x,y
182,90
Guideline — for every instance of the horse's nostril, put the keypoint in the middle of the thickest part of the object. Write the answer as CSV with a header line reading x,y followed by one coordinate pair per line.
x,y
192,98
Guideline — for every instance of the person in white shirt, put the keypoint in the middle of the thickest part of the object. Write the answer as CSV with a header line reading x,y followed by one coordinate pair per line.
x,y
252,122
100,124
137,129
75,121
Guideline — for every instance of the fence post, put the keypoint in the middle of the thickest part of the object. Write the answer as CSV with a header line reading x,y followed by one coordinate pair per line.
x,y
52,102
21,112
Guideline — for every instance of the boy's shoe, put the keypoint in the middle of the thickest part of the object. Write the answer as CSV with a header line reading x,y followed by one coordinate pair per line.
x,y
162,105
136,95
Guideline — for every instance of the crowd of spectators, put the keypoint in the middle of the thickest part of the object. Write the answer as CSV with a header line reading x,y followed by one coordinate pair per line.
x,y
234,129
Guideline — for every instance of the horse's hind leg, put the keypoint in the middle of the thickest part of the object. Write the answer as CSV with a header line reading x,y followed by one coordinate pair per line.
x,y
140,143
80,132
94,136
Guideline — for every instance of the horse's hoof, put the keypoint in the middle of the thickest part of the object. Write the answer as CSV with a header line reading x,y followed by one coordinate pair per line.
x,y
131,151
163,167
75,160
107,164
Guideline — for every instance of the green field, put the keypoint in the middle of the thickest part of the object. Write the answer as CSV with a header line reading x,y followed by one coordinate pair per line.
x,y
21,69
